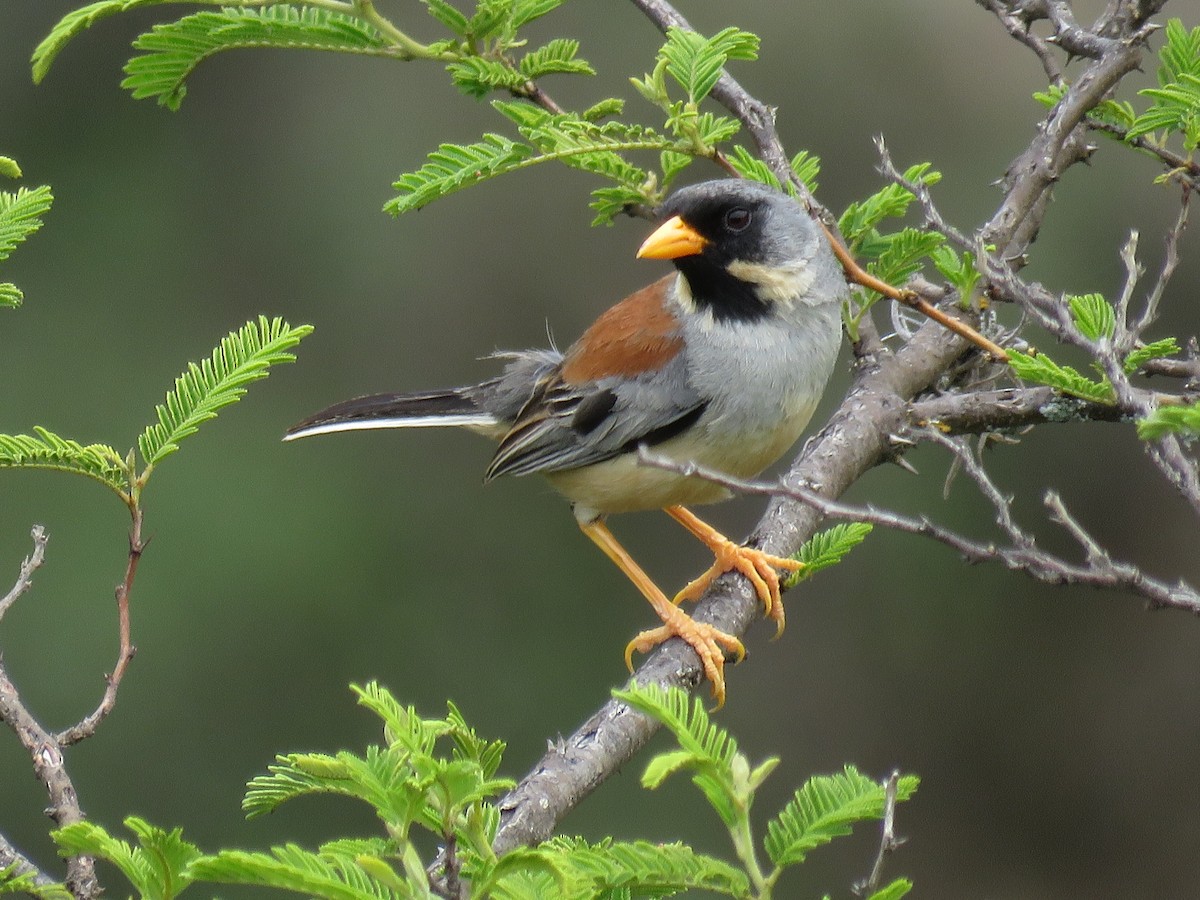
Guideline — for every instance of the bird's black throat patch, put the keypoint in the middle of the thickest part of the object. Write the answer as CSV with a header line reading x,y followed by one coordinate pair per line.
x,y
729,299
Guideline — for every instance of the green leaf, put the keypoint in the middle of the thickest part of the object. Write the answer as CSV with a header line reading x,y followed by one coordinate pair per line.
x,y
173,50
157,868
1154,350
448,15
9,167
750,166
807,167
330,876
453,167
890,202
827,548
824,808
525,11
20,215
602,110
558,56
898,255
958,269
610,202
46,450
638,869
492,18
72,24
696,62
478,77
1170,420
1094,316
242,356
10,295
1043,370
1175,105
894,891
711,750
27,884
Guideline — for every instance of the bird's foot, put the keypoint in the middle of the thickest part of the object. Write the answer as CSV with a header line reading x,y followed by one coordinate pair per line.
x,y
758,567
709,642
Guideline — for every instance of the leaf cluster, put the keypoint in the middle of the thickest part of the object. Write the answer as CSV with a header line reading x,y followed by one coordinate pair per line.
x,y
438,775
1174,108
1095,319
20,216
200,391
27,884
824,808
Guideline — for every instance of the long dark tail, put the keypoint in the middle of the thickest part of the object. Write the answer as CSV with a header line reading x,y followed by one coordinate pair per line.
x,y
437,408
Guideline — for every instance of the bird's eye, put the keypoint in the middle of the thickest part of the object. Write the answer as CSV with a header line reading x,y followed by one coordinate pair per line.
x,y
737,219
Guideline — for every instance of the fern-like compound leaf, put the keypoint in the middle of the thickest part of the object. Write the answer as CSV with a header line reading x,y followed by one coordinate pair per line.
x,y
20,215
46,450
824,808
173,50
243,356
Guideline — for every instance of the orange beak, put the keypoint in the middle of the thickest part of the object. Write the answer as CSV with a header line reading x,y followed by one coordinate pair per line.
x,y
672,239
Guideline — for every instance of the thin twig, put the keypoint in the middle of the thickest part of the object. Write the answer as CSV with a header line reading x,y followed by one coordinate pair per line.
x,y
888,842
1024,556
112,682
30,565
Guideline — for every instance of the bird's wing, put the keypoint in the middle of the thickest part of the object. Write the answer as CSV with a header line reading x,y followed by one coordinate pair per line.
x,y
566,425
623,383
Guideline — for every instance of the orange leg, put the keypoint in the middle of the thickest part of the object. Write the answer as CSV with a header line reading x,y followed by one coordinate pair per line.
x,y
709,642
757,566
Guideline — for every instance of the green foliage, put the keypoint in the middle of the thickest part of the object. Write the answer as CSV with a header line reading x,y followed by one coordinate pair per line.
x,y
173,50
958,269
1175,106
242,356
696,62
827,548
453,167
1043,370
157,867
826,807
859,223
45,450
558,56
75,22
27,885
1154,350
1093,315
20,216
1166,420
437,774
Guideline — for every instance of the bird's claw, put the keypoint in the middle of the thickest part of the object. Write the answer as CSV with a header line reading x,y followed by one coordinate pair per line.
x,y
757,566
708,641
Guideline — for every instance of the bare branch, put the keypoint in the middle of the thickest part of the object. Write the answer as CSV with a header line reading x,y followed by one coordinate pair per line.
x,y
46,751
30,565
888,842
1024,556
112,682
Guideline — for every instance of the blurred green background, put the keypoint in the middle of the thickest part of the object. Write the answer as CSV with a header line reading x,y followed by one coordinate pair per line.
x,y
1056,730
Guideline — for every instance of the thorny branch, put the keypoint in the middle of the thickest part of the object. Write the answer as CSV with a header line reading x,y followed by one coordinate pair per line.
x,y
1022,553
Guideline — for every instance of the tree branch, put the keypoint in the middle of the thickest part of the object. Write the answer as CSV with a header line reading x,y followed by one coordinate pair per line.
x,y
45,749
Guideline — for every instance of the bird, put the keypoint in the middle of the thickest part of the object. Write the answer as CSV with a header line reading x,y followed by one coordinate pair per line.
x,y
721,363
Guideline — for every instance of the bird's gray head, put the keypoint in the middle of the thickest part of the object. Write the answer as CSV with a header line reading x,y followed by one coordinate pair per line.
x,y
740,245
